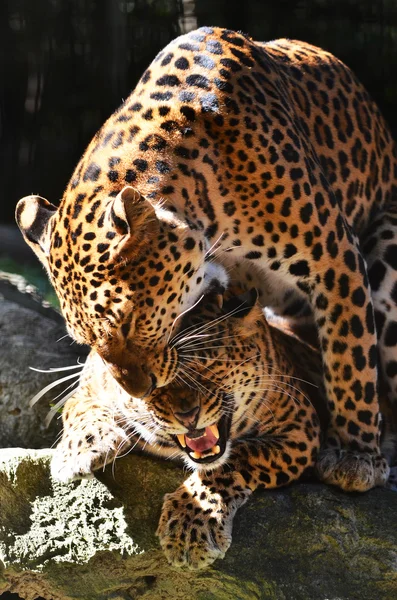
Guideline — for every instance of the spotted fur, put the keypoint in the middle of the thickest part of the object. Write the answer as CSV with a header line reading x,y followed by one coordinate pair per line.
x,y
268,156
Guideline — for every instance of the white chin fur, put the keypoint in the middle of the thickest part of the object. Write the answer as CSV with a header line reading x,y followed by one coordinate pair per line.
x,y
193,466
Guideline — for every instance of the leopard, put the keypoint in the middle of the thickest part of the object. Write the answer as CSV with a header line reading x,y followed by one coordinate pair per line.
x,y
241,417
237,156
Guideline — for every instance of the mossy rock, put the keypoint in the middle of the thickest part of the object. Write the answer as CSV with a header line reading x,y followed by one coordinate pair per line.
x,y
95,539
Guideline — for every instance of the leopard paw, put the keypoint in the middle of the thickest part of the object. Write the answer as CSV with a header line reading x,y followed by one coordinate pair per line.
x,y
78,457
195,529
352,471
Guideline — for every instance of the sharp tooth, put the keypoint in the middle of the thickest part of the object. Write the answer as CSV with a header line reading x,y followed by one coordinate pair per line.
x,y
215,450
195,455
219,300
214,429
181,439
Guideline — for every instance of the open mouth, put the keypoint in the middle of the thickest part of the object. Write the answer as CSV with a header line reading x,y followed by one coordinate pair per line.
x,y
207,444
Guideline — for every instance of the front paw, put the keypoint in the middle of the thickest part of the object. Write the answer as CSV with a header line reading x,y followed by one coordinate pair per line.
x,y
79,456
66,467
352,471
195,525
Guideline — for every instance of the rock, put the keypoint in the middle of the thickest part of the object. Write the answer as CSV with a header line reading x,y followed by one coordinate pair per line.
x,y
95,539
29,330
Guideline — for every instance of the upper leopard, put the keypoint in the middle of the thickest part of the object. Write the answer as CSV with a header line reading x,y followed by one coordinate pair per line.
x,y
224,141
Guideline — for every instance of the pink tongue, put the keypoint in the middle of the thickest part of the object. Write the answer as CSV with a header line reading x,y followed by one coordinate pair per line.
x,y
203,443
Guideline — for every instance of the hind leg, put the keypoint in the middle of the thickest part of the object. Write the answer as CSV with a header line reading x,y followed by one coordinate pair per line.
x,y
380,251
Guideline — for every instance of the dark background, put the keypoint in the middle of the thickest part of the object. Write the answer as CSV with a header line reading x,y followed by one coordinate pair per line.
x,y
65,65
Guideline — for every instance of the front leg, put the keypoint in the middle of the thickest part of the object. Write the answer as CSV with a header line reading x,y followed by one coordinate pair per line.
x,y
196,521
92,437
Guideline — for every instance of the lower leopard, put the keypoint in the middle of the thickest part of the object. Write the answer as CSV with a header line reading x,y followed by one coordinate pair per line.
x,y
234,417
239,416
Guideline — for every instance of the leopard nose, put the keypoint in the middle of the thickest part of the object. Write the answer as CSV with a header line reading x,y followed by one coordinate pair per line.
x,y
189,418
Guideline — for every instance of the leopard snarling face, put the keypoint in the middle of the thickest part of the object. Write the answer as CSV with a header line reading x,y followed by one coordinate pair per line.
x,y
224,356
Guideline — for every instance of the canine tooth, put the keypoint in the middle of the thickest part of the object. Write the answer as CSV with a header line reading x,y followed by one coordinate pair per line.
x,y
195,455
219,300
181,439
214,429
216,449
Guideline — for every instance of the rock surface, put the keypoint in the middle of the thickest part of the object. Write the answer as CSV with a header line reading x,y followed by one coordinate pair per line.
x,y
29,330
95,540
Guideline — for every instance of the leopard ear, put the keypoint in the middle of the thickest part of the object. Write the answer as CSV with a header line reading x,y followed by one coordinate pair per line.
x,y
34,216
131,217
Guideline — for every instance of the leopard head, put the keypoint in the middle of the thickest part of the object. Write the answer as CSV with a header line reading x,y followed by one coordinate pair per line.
x,y
124,270
221,363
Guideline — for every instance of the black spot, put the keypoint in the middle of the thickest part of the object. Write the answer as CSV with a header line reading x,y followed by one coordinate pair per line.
x,y
253,255
136,107
231,64
258,240
204,61
167,59
163,112
162,167
300,268
185,96
161,96
214,47
350,260
306,213
365,416
153,281
146,76
113,175
344,286
92,172
188,112
130,176
225,86
359,359
140,164
182,63
329,279
317,251
229,208
290,250
189,243
148,115
353,428
198,81
339,347
356,326
171,80
358,297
